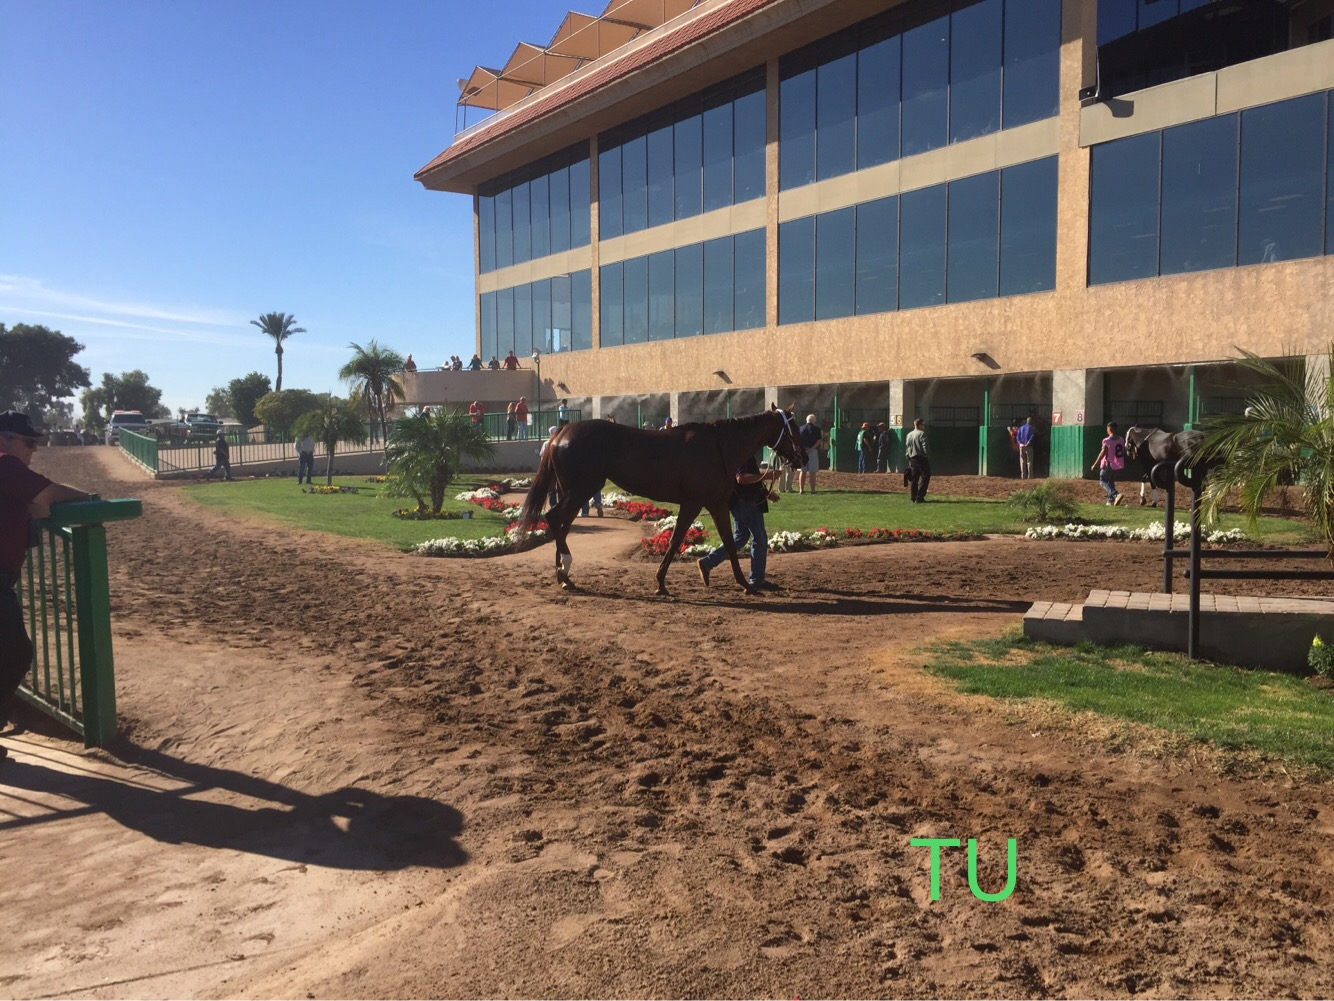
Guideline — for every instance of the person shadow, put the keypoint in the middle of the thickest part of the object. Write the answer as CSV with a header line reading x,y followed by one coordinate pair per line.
x,y
179,802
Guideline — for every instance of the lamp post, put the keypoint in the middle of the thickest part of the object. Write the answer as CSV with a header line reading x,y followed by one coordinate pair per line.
x,y
537,412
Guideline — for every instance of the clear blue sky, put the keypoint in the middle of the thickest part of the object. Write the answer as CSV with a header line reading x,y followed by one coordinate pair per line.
x,y
174,168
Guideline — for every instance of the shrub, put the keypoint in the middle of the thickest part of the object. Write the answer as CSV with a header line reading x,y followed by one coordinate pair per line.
x,y
1321,658
1047,502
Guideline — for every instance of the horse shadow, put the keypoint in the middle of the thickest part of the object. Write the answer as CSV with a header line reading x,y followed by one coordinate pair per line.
x,y
827,601
349,828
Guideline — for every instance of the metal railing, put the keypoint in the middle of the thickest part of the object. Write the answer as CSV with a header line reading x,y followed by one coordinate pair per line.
x,y
67,603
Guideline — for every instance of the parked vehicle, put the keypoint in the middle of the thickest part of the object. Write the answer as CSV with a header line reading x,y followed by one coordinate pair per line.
x,y
134,420
201,427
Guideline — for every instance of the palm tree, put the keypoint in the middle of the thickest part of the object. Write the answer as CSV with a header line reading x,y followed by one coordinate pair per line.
x,y
372,374
427,451
279,326
1285,436
334,421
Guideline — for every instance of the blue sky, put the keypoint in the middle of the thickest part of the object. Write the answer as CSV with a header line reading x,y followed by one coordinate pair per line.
x,y
174,169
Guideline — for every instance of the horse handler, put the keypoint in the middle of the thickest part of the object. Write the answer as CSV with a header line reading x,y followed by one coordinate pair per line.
x,y
23,495
749,506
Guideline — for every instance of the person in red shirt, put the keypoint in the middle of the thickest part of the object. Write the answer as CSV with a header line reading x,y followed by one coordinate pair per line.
x,y
521,417
24,495
476,411
510,363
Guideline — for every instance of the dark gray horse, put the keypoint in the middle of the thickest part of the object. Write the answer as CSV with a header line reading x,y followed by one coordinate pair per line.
x,y
1154,445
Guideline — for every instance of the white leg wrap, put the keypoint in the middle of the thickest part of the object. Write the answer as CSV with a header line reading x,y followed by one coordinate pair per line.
x,y
566,561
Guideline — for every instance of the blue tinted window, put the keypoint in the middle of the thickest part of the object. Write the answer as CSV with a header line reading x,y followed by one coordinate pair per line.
x,y
717,130
1282,180
796,130
540,209
1032,60
581,310
660,176
878,256
833,264
836,117
488,310
748,275
878,103
611,304
975,70
634,185
1028,227
504,230
926,67
748,141
561,320
541,314
922,247
523,320
1123,209
1199,196
974,237
661,288
560,210
486,233
636,300
505,320
1329,184
523,240
1153,12
688,141
1116,19
796,270
689,290
581,191
609,193
718,285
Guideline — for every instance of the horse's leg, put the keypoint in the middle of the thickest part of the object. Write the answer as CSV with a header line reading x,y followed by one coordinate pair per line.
x,y
722,519
558,521
684,519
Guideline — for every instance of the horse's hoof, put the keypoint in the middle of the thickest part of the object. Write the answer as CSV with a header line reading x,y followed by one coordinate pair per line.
x,y
662,593
568,585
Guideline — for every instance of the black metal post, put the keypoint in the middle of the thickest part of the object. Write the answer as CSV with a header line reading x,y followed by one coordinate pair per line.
x,y
1161,476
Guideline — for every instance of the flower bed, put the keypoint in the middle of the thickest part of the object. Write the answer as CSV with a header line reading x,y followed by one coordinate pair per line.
x,y
335,489
1152,533
414,514
493,545
823,538
694,544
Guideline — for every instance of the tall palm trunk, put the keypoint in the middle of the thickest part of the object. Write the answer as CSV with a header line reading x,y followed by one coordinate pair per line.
x,y
278,386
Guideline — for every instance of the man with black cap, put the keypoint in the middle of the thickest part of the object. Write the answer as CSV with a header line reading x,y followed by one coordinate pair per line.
x,y
23,495
222,455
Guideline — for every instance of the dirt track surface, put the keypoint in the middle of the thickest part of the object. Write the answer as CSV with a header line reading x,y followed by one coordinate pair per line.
x,y
356,773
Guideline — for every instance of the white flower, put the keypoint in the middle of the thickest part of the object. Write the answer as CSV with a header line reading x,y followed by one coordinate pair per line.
x,y
481,494
669,523
611,498
1154,532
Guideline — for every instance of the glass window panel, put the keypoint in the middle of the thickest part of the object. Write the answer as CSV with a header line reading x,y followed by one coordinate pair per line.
x,y
581,190
560,209
796,130
1028,227
878,103
922,247
836,117
1199,212
796,270
1153,12
634,189
523,241
748,278
717,131
609,193
540,211
688,153
718,286
523,320
660,176
1032,60
974,238
504,230
833,264
636,300
975,70
560,316
486,233
748,139
690,290
1329,184
1116,19
1282,180
661,323
926,68
488,308
611,305
541,314
505,321
581,310
1123,209
878,256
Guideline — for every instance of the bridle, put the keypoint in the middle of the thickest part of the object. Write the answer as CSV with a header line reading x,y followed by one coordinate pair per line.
x,y
785,432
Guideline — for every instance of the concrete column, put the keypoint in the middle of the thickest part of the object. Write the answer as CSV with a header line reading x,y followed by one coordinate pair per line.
x,y
674,408
902,403
595,408
771,396
1077,394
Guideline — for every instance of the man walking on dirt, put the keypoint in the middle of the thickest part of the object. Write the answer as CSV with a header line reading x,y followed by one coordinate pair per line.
x,y
222,454
23,495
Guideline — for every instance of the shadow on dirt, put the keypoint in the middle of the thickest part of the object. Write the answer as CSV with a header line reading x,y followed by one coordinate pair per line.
x,y
349,828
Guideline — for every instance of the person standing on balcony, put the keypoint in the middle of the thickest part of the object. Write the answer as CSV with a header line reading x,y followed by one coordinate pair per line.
x,y
521,417
475,365
409,365
475,410
494,363
24,495
511,363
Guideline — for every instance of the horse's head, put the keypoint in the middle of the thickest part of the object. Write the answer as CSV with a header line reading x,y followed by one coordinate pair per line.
x,y
788,444
1134,439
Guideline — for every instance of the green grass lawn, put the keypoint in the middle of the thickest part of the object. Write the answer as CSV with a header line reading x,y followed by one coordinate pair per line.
x,y
1277,715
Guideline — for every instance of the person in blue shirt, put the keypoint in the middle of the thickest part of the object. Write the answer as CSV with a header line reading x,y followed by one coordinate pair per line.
x,y
1024,438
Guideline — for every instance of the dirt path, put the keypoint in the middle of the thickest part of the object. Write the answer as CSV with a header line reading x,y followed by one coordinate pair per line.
x,y
355,773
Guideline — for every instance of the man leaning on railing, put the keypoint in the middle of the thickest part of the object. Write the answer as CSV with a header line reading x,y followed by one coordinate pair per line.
x,y
24,495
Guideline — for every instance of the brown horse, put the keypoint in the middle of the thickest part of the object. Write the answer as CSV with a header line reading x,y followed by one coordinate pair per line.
x,y
693,465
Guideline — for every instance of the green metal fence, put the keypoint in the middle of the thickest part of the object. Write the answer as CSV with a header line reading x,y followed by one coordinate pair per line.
x,y
66,600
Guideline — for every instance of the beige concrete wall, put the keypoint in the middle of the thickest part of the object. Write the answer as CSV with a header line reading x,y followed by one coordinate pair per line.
x,y
458,389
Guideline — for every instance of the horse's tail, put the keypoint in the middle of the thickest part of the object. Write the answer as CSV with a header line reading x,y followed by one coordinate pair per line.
x,y
537,493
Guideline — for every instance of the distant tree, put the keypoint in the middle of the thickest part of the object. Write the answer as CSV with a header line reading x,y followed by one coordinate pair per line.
x,y
334,421
373,376
279,326
427,451
218,403
243,394
278,411
37,368
127,391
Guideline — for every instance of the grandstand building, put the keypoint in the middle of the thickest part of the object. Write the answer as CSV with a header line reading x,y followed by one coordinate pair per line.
x,y
964,210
